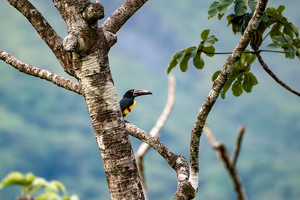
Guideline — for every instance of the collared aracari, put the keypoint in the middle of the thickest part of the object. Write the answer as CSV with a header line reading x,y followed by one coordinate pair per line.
x,y
127,102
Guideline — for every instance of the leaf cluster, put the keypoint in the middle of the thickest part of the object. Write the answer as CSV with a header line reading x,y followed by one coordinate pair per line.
x,y
183,57
32,184
221,7
284,34
241,78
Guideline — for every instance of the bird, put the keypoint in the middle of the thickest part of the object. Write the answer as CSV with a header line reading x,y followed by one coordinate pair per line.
x,y
128,102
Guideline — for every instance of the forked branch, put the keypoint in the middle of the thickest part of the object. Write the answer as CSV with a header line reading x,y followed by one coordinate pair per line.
x,y
223,155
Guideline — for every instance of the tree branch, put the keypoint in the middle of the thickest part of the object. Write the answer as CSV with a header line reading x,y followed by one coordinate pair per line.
x,y
177,162
121,15
268,70
216,89
41,73
144,147
47,33
238,146
223,155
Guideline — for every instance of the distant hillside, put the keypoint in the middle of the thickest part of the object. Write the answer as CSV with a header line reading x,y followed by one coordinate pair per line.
x,y
46,130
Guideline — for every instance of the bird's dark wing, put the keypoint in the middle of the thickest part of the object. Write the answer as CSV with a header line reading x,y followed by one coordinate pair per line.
x,y
125,103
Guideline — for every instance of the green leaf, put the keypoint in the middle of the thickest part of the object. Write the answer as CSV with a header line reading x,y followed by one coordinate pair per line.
x,y
247,83
210,41
16,178
205,34
296,30
288,31
179,55
291,52
215,75
276,31
271,11
184,63
224,6
240,7
198,61
252,5
220,16
253,79
48,196
209,51
237,88
36,185
288,38
51,188
227,86
212,10
274,46
172,64
279,39
60,186
280,9
193,52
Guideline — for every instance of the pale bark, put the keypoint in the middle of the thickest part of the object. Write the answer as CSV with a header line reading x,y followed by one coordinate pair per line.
x,y
83,54
177,162
216,89
41,73
144,147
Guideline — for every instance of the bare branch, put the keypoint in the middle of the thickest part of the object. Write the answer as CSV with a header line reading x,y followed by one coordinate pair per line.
x,y
152,141
179,163
238,146
47,33
144,147
122,14
41,73
223,155
268,70
217,87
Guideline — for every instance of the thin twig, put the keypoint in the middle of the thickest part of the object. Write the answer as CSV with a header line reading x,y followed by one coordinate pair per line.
x,y
237,146
41,73
268,70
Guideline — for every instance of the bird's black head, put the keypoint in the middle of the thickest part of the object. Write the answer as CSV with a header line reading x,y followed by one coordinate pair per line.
x,y
135,93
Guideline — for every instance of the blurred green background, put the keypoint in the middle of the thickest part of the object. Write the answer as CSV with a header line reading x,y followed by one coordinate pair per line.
x,y
46,130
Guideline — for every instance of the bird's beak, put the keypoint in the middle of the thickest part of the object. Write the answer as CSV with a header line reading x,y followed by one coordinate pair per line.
x,y
137,93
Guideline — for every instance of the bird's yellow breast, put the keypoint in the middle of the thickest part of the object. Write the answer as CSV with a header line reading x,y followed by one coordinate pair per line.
x,y
127,110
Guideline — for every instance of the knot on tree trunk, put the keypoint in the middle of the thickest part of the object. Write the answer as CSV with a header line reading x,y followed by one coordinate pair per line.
x,y
93,12
73,43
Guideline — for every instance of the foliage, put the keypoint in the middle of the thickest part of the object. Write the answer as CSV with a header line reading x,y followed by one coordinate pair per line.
x,y
32,184
241,77
182,57
284,34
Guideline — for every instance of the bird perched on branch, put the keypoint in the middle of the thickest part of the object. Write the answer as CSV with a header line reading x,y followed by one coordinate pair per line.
x,y
127,102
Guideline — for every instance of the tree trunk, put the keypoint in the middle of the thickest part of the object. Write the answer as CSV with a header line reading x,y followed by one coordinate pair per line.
x,y
89,47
